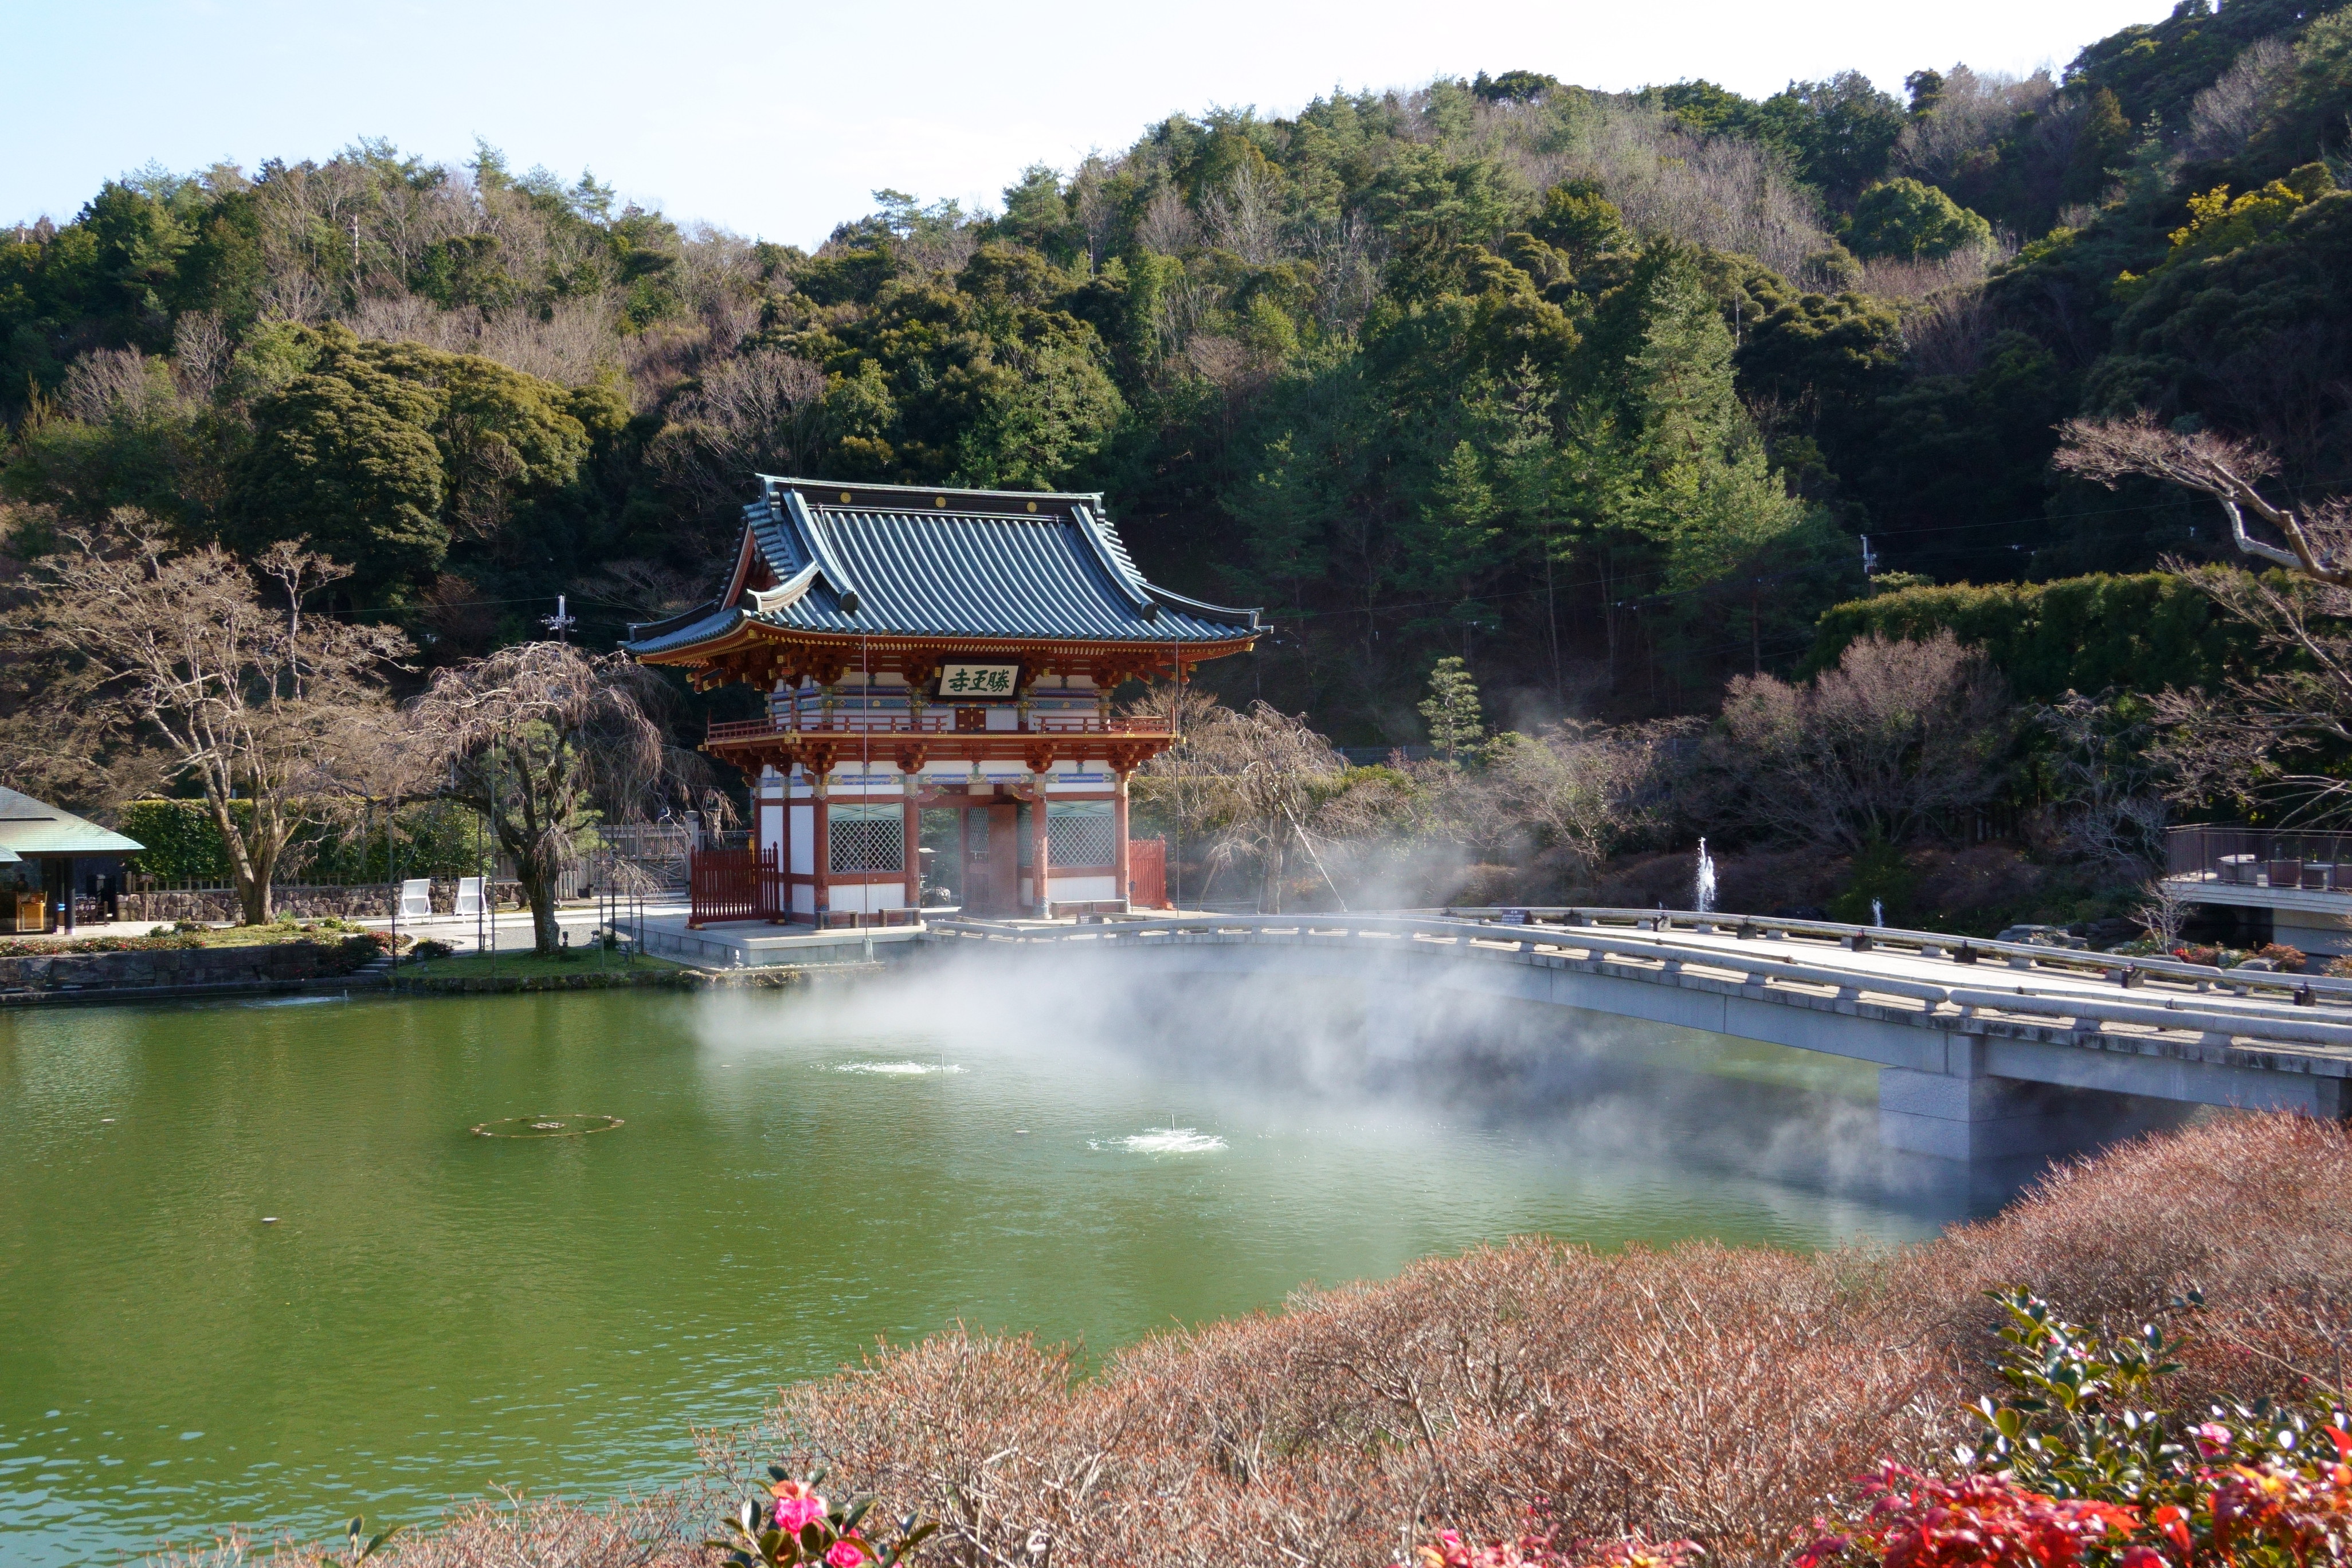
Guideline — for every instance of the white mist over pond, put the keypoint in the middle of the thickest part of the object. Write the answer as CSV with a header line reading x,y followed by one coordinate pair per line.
x,y
1013,1146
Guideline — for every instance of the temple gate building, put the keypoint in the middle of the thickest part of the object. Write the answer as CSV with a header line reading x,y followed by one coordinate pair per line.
x,y
923,648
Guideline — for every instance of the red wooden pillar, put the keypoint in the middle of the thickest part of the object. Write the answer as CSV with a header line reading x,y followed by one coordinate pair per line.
x,y
1038,840
1123,887
914,860
820,856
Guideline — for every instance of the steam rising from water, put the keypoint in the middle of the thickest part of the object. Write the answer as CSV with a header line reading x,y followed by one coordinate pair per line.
x,y
1162,1141
1278,1044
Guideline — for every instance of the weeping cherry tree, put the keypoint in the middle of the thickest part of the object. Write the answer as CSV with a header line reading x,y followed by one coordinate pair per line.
x,y
545,741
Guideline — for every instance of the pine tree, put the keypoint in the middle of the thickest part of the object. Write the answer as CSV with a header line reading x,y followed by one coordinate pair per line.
x,y
1452,711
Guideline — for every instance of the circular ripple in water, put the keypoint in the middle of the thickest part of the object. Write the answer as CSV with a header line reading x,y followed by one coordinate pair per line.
x,y
574,1125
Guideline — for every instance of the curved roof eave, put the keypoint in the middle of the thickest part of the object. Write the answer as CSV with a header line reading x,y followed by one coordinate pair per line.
x,y
906,561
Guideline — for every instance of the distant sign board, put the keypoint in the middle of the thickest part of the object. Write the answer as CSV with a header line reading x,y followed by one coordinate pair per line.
x,y
979,680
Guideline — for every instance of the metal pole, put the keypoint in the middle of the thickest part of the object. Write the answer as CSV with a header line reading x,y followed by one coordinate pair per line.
x,y
489,879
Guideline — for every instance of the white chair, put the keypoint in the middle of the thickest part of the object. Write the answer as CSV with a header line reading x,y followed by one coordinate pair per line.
x,y
416,899
469,896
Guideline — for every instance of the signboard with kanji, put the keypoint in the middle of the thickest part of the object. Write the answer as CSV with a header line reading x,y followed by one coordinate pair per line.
x,y
979,680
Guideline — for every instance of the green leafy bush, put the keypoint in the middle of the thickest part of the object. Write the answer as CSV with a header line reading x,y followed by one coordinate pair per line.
x,y
437,838
1879,872
181,844
2079,634
798,1526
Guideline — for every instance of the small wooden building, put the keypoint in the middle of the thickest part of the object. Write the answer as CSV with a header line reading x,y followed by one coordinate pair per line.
x,y
39,845
929,648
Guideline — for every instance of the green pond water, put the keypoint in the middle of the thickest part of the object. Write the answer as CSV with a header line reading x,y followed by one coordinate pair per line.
x,y
436,1313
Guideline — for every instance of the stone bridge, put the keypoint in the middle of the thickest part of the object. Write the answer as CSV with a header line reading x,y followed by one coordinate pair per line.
x,y
1985,1050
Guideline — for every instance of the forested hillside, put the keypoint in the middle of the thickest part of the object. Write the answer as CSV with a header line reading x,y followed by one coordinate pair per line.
x,y
1596,391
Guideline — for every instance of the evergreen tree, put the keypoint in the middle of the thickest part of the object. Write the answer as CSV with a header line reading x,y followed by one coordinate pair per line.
x,y
1452,709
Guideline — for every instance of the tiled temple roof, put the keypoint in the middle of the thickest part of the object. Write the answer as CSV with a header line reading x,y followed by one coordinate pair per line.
x,y
893,560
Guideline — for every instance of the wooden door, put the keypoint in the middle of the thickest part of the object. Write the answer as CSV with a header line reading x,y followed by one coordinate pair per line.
x,y
992,859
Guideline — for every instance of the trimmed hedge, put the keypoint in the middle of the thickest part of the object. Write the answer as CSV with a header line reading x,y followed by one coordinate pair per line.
x,y
2140,632
181,844
437,839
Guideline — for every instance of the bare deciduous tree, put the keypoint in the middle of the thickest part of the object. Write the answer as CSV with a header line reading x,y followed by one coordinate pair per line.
x,y
2267,738
2163,915
755,414
2226,115
1583,788
1972,111
544,741
2107,810
2106,450
1262,786
1270,772
216,663
1884,747
1244,216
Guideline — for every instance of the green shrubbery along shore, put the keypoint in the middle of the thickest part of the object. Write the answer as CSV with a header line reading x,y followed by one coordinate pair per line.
x,y
2140,632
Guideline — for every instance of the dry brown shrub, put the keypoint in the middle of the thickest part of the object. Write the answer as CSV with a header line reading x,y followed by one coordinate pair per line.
x,y
1717,1393
2245,1210
658,1532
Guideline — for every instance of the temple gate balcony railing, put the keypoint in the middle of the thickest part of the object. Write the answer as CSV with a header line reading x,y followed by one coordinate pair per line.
x,y
937,720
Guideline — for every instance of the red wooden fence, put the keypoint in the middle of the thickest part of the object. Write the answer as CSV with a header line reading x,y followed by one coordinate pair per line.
x,y
734,885
1147,873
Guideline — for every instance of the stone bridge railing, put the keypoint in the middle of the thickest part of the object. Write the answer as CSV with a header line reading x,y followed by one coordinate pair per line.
x,y
1982,1016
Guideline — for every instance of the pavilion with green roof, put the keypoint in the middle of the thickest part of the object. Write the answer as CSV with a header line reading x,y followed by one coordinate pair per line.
x,y
39,844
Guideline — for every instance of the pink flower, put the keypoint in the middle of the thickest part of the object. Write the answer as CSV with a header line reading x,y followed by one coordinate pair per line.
x,y
847,1552
797,1506
2213,1439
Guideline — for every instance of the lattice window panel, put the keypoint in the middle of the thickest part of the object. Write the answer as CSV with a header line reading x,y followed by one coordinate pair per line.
x,y
869,843
1080,840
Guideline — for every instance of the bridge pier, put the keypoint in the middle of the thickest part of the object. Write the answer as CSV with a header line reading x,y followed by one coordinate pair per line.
x,y
1965,1112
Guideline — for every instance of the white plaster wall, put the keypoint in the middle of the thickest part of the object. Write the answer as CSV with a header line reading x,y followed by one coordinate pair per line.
x,y
1082,889
803,827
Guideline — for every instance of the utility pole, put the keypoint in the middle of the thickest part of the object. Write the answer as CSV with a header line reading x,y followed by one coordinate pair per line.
x,y
560,623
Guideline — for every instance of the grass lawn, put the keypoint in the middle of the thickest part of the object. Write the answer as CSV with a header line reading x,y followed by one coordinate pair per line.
x,y
164,936
275,931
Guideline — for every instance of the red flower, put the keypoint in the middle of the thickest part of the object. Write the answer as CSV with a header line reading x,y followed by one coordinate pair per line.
x,y
1979,1521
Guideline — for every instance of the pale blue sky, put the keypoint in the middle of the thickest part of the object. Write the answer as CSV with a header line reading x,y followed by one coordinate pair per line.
x,y
777,119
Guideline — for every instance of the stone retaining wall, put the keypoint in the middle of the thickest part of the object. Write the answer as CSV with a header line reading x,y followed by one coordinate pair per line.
x,y
776,977
358,901
269,963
